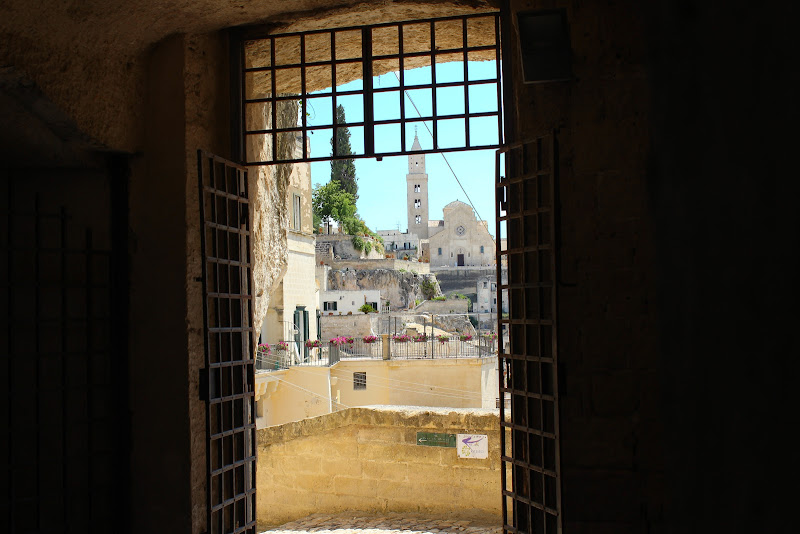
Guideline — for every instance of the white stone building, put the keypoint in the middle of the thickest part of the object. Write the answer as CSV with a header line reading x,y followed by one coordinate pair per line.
x,y
292,311
343,302
401,245
486,290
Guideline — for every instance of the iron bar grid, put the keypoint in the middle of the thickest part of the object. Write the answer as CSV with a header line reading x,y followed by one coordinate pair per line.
x,y
530,477
229,345
61,433
262,94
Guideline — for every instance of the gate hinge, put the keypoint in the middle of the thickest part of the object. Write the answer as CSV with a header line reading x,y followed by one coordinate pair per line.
x,y
203,385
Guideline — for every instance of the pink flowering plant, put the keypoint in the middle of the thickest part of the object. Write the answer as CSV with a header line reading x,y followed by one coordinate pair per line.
x,y
465,337
262,350
341,340
282,346
443,338
313,343
421,338
491,336
400,338
370,339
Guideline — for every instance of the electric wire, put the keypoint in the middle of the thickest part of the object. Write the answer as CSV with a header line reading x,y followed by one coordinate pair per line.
x,y
435,146
469,396
401,382
420,384
310,392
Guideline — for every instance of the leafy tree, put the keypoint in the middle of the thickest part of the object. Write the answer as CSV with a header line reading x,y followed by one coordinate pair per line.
x,y
343,171
331,203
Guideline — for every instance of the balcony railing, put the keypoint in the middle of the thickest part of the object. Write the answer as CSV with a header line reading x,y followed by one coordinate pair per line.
x,y
330,353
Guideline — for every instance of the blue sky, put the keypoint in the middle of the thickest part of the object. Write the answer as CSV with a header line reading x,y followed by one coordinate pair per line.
x,y
382,184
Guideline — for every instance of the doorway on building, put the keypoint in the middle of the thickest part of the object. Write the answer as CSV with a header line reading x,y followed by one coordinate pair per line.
x,y
282,79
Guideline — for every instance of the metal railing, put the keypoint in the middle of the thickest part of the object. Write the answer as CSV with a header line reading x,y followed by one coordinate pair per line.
x,y
330,353
453,346
292,354
360,350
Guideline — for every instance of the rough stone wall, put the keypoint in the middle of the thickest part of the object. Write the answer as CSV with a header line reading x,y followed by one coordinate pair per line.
x,y
91,58
356,325
386,263
343,247
611,453
462,280
443,306
401,289
271,214
367,460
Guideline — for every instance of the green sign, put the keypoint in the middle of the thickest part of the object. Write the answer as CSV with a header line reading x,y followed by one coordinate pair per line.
x,y
434,439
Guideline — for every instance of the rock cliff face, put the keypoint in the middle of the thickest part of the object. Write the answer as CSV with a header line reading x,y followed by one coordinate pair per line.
x,y
401,289
268,186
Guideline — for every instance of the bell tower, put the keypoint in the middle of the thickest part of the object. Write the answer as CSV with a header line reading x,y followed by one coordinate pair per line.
x,y
417,192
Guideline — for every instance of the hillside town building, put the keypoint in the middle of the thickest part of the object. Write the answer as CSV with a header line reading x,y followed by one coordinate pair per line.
x,y
459,239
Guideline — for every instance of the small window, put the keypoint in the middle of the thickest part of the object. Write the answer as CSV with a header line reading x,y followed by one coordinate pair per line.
x,y
416,188
494,287
360,380
329,306
440,251
451,254
296,205
485,284
418,219
417,203
481,249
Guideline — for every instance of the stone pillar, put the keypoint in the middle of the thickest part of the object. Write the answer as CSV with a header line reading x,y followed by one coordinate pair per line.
x,y
386,346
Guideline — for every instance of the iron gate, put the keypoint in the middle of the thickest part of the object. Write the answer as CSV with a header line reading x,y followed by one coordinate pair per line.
x,y
528,349
308,68
63,353
229,378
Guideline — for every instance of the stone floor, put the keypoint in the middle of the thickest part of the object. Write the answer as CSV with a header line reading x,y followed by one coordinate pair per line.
x,y
355,523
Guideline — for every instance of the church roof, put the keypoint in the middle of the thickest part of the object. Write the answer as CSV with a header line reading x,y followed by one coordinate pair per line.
x,y
416,145
456,204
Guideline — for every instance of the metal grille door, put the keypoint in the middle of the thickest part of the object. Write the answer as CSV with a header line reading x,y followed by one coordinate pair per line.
x,y
389,80
63,356
531,479
229,344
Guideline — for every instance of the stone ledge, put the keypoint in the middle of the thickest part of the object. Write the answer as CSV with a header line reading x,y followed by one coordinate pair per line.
x,y
468,419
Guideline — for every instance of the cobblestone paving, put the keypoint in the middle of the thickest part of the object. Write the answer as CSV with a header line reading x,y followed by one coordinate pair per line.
x,y
353,523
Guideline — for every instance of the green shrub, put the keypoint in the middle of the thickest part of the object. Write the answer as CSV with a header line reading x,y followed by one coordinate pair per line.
x,y
417,302
358,243
428,288
440,297
367,247
366,308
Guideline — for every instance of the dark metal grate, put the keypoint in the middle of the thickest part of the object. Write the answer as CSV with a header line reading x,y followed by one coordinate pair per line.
x,y
62,420
277,69
229,345
528,360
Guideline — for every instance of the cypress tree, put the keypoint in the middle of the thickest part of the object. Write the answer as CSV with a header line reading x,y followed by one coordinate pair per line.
x,y
343,171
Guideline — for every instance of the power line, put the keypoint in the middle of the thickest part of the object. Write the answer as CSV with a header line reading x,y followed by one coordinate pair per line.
x,y
435,146
310,392
469,396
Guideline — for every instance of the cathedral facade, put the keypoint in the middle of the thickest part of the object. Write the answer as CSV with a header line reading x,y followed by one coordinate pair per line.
x,y
458,240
